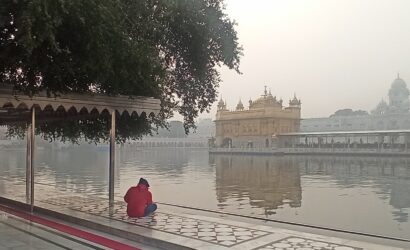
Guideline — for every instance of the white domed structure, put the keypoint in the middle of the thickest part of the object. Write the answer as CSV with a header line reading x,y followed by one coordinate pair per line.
x,y
399,95
381,109
392,114
240,106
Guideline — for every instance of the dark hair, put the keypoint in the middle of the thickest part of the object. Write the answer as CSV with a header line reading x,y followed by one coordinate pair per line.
x,y
144,182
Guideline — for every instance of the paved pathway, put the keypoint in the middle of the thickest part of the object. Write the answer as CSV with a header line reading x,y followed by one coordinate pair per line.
x,y
19,234
190,230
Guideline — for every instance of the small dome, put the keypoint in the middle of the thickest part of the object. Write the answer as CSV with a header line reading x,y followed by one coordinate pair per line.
x,y
398,91
295,101
266,100
240,105
399,83
383,103
260,99
221,104
381,108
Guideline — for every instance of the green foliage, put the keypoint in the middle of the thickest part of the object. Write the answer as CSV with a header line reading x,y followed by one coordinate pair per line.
x,y
168,49
90,128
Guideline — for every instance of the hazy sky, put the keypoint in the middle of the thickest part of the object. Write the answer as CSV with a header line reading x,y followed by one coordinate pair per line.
x,y
333,53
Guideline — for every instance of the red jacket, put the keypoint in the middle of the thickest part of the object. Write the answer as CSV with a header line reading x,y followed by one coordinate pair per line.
x,y
137,199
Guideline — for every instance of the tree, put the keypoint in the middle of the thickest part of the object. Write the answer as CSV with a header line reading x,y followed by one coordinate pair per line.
x,y
168,49
93,128
349,112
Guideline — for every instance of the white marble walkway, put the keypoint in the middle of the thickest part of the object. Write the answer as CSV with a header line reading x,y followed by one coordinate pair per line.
x,y
187,230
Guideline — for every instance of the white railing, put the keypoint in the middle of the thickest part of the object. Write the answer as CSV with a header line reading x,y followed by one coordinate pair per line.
x,y
347,150
246,150
311,151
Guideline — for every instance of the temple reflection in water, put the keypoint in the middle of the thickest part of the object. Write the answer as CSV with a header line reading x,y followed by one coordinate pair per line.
x,y
268,182
271,183
389,176
367,194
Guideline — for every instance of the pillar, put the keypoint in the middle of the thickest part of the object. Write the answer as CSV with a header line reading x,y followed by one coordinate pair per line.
x,y
28,164
32,151
112,159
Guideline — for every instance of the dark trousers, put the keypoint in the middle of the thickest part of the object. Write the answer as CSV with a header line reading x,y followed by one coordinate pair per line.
x,y
150,209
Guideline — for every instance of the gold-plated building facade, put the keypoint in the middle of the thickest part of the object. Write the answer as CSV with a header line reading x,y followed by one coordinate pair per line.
x,y
257,126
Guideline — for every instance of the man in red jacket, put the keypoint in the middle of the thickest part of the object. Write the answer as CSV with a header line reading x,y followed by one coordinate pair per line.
x,y
139,200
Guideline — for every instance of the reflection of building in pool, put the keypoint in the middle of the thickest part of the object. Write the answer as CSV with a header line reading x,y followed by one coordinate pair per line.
x,y
400,198
268,182
256,126
390,176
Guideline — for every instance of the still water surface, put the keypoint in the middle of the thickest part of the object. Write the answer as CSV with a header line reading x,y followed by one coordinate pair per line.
x,y
368,194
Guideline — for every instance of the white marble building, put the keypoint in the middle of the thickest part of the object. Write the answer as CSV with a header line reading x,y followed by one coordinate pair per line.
x,y
386,116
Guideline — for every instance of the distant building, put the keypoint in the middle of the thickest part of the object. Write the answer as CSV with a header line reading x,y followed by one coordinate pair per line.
x,y
175,130
257,125
175,136
386,116
205,128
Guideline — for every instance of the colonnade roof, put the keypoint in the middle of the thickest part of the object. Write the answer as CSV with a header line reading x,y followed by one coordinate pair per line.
x,y
11,102
347,133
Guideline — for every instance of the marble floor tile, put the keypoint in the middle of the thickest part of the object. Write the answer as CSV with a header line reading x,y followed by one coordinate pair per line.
x,y
304,244
212,232
218,231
